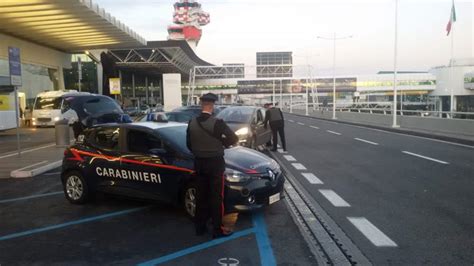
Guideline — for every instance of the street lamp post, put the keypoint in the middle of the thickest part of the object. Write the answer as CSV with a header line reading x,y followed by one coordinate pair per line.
x,y
394,124
334,39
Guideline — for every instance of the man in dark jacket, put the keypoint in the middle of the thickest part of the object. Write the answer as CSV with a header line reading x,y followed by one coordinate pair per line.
x,y
206,138
274,116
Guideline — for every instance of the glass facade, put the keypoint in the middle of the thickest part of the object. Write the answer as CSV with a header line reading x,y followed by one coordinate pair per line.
x,y
35,79
274,64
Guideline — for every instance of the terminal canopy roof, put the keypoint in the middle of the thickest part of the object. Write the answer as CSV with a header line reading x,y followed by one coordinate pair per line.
x,y
158,57
66,25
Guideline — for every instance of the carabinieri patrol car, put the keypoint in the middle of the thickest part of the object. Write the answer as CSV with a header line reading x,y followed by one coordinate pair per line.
x,y
149,160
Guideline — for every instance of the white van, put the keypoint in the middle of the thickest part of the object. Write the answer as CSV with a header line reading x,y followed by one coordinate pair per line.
x,y
50,107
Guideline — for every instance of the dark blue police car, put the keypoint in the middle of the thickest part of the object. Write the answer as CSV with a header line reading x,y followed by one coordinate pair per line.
x,y
150,161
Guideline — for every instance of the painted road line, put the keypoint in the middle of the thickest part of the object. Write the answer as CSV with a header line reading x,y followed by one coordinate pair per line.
x,y
425,157
26,151
335,199
333,132
62,225
196,248
366,141
299,123
289,120
312,179
32,197
29,166
377,237
315,127
298,166
263,241
289,158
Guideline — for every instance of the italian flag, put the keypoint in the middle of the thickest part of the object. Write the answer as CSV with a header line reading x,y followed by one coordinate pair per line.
x,y
452,19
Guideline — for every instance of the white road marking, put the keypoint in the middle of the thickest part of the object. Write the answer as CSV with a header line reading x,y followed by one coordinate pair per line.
x,y
289,120
298,166
289,158
425,157
377,237
314,127
335,199
29,166
333,132
366,141
312,179
402,134
281,151
299,123
26,151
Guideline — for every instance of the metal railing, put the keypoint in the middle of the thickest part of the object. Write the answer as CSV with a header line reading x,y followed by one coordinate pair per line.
x,y
384,110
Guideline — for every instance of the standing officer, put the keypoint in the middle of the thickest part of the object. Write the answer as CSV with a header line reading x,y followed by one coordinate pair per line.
x,y
207,137
277,124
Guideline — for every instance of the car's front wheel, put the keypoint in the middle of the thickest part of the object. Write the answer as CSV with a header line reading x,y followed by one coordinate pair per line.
x,y
75,188
190,199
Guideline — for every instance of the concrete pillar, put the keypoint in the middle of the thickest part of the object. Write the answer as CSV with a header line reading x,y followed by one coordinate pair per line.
x,y
100,78
146,90
133,85
61,85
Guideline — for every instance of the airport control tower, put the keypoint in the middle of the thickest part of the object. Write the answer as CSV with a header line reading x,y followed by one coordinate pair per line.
x,y
188,18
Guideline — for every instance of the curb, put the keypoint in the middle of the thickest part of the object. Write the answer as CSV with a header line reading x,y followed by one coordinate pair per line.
x,y
20,173
395,130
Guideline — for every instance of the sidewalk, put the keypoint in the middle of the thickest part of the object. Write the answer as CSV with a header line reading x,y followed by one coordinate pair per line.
x,y
31,162
467,138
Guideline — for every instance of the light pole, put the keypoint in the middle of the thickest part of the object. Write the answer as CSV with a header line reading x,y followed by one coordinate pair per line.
x,y
394,124
334,39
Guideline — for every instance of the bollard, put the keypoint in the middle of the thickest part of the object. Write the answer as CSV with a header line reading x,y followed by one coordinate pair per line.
x,y
62,133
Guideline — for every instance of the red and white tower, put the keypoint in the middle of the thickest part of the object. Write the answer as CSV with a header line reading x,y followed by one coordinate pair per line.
x,y
188,18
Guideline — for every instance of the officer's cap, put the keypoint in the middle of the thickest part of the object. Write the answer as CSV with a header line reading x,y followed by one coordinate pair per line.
x,y
209,97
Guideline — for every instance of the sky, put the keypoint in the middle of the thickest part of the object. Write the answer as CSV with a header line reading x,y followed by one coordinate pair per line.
x,y
240,28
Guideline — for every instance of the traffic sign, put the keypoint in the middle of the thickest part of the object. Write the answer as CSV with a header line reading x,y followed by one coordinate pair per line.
x,y
15,65
114,84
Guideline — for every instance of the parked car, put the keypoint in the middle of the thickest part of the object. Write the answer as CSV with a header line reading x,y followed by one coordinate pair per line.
x,y
152,117
182,117
247,123
151,161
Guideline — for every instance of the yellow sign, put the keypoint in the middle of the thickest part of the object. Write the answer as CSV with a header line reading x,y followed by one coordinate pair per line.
x,y
114,84
4,103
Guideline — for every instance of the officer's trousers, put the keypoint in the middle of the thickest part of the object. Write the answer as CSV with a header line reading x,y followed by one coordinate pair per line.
x,y
210,191
278,128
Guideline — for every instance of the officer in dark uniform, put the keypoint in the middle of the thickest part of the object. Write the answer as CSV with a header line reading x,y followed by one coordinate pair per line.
x,y
277,124
207,137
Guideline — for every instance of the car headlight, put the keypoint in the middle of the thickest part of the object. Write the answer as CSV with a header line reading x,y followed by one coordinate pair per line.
x,y
242,131
33,119
56,118
235,176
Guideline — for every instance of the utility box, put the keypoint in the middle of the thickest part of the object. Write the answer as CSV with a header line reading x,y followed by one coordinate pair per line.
x,y
62,132
171,92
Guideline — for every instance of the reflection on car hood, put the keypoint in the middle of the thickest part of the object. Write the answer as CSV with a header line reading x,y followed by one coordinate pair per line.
x,y
248,161
236,126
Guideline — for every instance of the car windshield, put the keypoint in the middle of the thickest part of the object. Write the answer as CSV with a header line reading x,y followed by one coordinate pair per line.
x,y
236,114
48,103
176,136
101,105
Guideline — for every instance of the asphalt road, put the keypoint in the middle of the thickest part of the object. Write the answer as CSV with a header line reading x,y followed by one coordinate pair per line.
x,y
29,138
403,200
39,226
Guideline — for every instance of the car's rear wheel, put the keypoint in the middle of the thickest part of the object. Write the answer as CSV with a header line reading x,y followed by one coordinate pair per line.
x,y
190,199
75,187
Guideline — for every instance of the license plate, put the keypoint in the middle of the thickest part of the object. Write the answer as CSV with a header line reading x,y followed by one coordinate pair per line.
x,y
274,198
